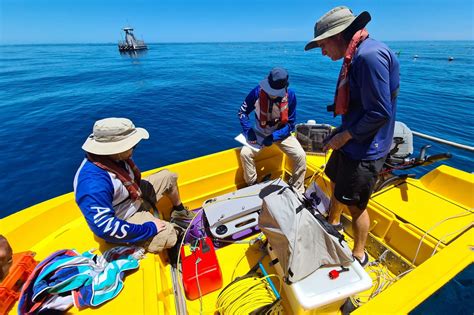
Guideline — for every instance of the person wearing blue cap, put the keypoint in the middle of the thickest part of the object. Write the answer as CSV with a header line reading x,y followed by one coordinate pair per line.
x,y
275,115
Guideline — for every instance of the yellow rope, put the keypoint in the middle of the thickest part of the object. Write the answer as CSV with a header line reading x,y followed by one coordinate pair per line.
x,y
247,295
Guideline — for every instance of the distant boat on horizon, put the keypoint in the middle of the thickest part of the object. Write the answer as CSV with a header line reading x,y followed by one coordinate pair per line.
x,y
131,43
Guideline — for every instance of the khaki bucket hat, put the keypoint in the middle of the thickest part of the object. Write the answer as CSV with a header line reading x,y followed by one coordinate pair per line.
x,y
113,136
336,21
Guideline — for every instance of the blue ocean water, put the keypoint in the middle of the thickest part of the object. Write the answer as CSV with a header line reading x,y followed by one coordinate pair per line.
x,y
187,97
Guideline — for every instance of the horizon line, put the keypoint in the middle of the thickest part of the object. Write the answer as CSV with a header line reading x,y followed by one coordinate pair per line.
x,y
225,42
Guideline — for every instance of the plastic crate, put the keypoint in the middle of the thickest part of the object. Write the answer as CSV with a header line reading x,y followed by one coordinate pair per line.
x,y
22,266
311,136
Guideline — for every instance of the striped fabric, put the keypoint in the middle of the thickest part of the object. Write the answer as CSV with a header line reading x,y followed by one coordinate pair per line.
x,y
66,277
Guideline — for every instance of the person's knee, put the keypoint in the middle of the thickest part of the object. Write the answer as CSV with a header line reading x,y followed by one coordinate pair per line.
x,y
167,238
167,174
357,212
169,180
246,153
299,158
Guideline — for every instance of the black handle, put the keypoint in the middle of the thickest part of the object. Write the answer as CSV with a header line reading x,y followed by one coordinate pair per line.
x,y
438,157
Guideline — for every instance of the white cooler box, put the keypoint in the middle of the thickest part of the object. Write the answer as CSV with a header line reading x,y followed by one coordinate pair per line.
x,y
317,293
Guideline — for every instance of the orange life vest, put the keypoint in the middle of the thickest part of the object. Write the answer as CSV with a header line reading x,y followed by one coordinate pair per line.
x,y
341,99
264,105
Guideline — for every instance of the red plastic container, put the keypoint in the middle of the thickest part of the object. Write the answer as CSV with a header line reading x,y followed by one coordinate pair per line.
x,y
22,266
208,270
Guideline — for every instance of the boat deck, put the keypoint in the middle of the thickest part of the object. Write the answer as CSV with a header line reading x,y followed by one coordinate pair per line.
x,y
409,223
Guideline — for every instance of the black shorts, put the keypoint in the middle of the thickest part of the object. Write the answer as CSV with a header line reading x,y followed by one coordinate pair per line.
x,y
354,179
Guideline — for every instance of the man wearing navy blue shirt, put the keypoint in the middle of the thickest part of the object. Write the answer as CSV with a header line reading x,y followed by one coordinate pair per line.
x,y
275,115
365,96
113,198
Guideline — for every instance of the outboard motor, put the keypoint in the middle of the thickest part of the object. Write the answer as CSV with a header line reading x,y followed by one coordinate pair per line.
x,y
402,144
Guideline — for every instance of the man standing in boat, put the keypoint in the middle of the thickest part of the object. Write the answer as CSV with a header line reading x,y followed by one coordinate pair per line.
x,y
365,97
275,114
115,201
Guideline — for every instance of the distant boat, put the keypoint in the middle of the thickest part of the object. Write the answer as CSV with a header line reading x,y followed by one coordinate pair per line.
x,y
131,43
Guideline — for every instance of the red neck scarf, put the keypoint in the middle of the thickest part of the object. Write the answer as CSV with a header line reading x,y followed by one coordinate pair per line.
x,y
105,163
341,100
264,115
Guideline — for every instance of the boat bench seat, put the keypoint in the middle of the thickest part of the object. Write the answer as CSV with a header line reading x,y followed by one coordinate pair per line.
x,y
422,216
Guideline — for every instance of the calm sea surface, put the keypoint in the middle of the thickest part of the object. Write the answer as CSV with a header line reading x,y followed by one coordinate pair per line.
x,y
187,97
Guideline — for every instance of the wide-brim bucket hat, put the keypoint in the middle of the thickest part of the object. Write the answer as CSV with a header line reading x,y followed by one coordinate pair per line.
x,y
276,83
336,21
113,136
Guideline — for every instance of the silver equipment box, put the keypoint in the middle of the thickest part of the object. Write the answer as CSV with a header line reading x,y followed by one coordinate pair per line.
x,y
238,211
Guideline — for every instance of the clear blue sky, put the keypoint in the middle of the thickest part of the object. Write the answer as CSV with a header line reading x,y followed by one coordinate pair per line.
x,y
100,21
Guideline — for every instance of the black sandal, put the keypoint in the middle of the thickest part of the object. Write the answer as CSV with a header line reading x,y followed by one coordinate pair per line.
x,y
364,261
339,227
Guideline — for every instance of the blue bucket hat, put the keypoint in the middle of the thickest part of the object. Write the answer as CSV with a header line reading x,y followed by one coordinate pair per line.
x,y
276,83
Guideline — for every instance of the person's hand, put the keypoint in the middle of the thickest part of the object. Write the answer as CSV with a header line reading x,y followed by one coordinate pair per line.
x,y
268,141
331,134
251,136
338,141
160,225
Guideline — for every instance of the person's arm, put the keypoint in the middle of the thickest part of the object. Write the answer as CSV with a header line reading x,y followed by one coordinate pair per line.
x,y
94,197
373,78
246,108
284,132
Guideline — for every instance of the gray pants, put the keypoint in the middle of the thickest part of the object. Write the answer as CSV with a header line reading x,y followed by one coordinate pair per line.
x,y
292,148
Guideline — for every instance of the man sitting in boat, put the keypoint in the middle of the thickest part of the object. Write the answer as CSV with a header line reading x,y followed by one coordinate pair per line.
x,y
275,115
114,199
366,97
6,257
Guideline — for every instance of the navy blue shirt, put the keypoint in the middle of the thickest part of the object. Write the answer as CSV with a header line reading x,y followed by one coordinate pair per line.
x,y
374,81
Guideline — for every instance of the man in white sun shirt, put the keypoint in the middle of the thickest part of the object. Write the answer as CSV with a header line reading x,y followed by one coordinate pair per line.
x,y
113,198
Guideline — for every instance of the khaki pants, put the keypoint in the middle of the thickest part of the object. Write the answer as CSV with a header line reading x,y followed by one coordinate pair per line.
x,y
153,188
292,148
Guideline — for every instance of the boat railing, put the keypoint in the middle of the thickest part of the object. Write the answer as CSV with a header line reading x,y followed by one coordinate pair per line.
x,y
444,141
135,45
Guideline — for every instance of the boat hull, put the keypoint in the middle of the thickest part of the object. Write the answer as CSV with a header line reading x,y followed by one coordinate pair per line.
x,y
58,224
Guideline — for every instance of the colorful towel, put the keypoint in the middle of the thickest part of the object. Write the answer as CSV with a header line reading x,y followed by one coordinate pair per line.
x,y
66,278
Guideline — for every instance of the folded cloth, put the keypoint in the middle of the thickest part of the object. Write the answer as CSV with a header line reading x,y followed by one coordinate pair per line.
x,y
66,277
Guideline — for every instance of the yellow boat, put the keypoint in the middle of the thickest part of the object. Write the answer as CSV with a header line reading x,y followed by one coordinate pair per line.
x,y
420,237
